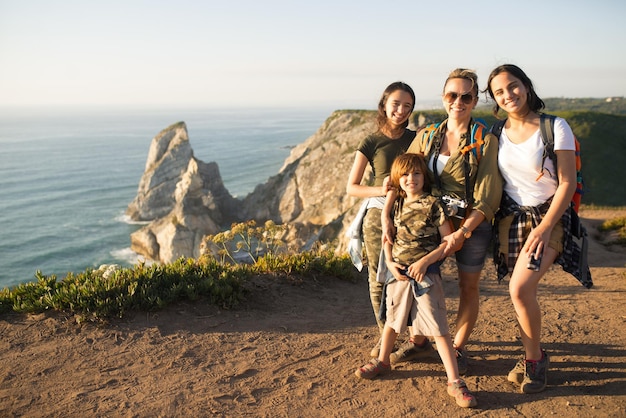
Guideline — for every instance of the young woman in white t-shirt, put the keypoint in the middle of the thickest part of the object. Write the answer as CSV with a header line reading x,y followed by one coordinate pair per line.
x,y
535,201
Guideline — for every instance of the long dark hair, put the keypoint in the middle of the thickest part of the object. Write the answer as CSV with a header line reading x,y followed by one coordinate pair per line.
x,y
382,116
535,104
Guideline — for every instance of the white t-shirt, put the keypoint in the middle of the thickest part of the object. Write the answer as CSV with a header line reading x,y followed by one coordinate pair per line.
x,y
442,160
520,165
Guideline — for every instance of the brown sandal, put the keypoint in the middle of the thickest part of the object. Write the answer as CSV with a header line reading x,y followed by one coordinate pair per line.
x,y
372,369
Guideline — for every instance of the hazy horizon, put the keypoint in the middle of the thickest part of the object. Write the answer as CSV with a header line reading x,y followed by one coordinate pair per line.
x,y
283,54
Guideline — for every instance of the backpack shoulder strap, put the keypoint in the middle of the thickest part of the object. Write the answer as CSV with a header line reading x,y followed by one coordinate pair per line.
x,y
497,127
427,136
476,140
546,128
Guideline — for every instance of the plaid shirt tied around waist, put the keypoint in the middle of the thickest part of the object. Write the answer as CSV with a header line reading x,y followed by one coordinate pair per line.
x,y
572,260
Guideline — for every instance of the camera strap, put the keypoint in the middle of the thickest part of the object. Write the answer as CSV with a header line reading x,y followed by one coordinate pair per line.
x,y
469,196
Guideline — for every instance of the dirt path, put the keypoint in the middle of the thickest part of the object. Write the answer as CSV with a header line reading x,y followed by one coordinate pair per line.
x,y
292,349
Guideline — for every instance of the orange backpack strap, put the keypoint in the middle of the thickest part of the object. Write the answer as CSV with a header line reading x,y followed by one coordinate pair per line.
x,y
476,142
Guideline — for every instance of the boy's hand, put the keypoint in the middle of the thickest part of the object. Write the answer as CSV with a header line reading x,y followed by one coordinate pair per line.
x,y
417,270
395,270
453,244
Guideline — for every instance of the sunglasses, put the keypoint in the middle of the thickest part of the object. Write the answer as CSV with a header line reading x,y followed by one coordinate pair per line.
x,y
451,97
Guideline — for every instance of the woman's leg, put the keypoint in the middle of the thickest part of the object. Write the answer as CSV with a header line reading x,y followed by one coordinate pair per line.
x,y
372,232
523,290
470,261
469,297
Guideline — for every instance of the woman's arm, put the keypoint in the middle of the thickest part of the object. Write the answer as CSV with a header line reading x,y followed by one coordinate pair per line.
x,y
354,186
566,171
488,185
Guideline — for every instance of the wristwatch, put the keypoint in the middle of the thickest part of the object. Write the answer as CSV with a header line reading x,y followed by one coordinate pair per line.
x,y
466,232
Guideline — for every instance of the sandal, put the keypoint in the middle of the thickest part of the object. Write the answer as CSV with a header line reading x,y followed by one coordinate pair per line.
x,y
459,391
372,369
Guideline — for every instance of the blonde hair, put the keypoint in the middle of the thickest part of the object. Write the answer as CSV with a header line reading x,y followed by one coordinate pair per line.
x,y
465,74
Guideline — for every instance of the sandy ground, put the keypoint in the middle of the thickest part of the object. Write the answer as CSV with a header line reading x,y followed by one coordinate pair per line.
x,y
292,348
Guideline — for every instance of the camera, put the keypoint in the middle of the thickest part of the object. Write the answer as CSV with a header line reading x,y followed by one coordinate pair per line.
x,y
454,207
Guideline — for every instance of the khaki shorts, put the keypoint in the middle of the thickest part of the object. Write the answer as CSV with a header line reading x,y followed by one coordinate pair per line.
x,y
555,242
427,314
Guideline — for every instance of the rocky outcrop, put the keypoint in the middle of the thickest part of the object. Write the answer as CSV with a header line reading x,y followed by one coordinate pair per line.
x,y
309,192
182,198
185,198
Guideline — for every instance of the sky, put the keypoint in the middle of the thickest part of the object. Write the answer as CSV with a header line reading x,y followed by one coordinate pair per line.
x,y
316,53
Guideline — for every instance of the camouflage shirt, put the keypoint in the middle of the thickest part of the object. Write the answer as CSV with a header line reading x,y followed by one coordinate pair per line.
x,y
417,228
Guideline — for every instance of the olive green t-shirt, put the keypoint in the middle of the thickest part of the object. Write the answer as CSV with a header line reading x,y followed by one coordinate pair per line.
x,y
381,151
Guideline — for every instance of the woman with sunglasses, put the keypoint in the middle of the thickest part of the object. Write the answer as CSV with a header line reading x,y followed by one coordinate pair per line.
x,y
453,174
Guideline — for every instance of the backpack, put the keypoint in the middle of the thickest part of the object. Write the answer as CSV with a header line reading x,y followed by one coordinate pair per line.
x,y
477,143
546,127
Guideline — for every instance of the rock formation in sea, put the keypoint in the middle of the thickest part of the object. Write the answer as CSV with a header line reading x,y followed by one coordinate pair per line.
x,y
181,197
184,199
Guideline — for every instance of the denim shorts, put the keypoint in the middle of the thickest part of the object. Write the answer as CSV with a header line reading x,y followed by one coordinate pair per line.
x,y
471,257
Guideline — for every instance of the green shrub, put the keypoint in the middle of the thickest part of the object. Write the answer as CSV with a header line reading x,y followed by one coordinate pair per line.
x,y
98,294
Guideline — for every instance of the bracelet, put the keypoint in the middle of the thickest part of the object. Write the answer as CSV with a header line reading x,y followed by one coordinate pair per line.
x,y
466,232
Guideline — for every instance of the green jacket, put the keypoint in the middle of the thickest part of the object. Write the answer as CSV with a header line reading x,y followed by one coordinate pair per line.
x,y
484,174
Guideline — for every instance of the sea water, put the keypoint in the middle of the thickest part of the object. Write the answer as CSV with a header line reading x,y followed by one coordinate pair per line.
x,y
68,175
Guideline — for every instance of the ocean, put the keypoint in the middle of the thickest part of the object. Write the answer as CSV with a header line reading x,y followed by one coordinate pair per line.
x,y
68,175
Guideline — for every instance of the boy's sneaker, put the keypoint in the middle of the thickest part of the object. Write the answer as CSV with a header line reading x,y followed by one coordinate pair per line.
x,y
410,351
372,369
516,375
536,375
461,394
461,360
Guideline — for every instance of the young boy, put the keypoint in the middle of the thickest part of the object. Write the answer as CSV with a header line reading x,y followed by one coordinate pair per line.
x,y
415,291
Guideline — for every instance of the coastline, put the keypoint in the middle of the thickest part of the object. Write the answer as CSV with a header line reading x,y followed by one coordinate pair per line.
x,y
62,208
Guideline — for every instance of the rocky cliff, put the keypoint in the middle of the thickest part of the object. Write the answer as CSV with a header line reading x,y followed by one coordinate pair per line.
x,y
185,199
182,198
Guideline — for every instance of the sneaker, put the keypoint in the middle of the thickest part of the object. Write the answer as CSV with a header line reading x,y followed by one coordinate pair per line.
x,y
461,360
516,375
376,350
536,375
409,351
372,369
461,394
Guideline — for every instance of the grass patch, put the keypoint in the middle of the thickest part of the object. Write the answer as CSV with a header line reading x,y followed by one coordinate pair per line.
x,y
618,225
95,295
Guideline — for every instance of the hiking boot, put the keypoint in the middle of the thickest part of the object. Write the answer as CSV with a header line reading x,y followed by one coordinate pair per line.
x,y
461,360
536,375
461,394
410,351
372,369
516,375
